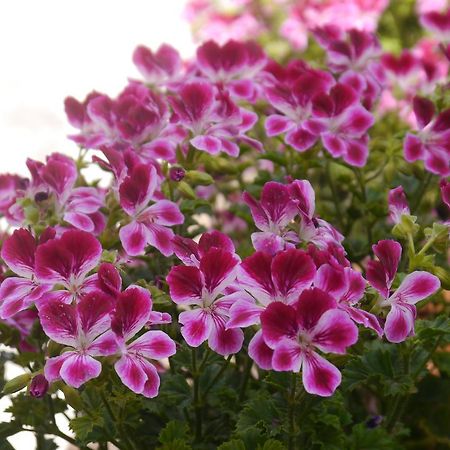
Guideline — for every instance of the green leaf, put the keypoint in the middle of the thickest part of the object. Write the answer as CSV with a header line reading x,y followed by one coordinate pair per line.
x,y
272,444
363,438
84,425
234,444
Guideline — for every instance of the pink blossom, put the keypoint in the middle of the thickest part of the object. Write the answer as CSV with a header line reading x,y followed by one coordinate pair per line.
x,y
232,66
347,287
18,293
438,23
66,261
342,123
292,96
81,327
203,287
432,143
294,332
133,310
270,279
415,287
445,191
149,224
214,121
160,67
271,215
398,204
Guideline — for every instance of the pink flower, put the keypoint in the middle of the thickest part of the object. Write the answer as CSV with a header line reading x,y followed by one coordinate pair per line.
x,y
133,311
432,143
347,287
190,253
415,287
342,123
445,191
271,215
294,332
398,204
355,55
18,293
9,185
438,22
149,224
233,66
203,287
293,96
66,261
160,67
215,122
81,327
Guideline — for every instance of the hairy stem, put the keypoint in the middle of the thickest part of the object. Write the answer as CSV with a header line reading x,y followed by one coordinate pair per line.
x,y
196,400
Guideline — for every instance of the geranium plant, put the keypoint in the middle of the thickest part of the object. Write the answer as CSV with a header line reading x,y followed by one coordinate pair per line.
x,y
264,263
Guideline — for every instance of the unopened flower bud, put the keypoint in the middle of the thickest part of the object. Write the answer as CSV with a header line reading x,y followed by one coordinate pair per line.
x,y
40,197
39,386
176,173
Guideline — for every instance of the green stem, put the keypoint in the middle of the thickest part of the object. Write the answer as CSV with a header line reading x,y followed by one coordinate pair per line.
x,y
129,444
368,225
246,377
291,411
334,194
196,400
217,376
418,196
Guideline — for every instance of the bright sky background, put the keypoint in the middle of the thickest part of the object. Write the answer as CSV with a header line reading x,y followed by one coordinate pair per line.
x,y
50,49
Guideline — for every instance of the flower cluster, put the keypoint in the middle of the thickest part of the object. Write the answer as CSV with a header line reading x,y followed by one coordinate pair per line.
x,y
284,216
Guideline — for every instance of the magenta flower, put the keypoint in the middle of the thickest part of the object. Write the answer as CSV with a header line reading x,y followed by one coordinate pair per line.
x,y
295,333
445,191
269,279
342,123
271,215
311,228
347,287
190,253
233,65
18,293
149,224
355,55
204,288
415,287
9,185
432,143
66,261
160,67
293,98
81,327
133,311
215,122
38,386
438,22
398,204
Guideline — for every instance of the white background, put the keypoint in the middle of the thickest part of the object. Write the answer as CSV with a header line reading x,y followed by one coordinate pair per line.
x,y
50,49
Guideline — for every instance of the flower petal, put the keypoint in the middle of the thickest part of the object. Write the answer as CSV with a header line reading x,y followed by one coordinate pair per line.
x,y
134,238
131,373
185,284
260,352
53,366
244,313
292,271
153,344
332,280
320,377
151,387
311,305
18,252
197,326
160,237
334,332
287,356
132,312
78,368
219,270
415,287
277,124
94,311
224,341
164,212
59,322
400,322
278,321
